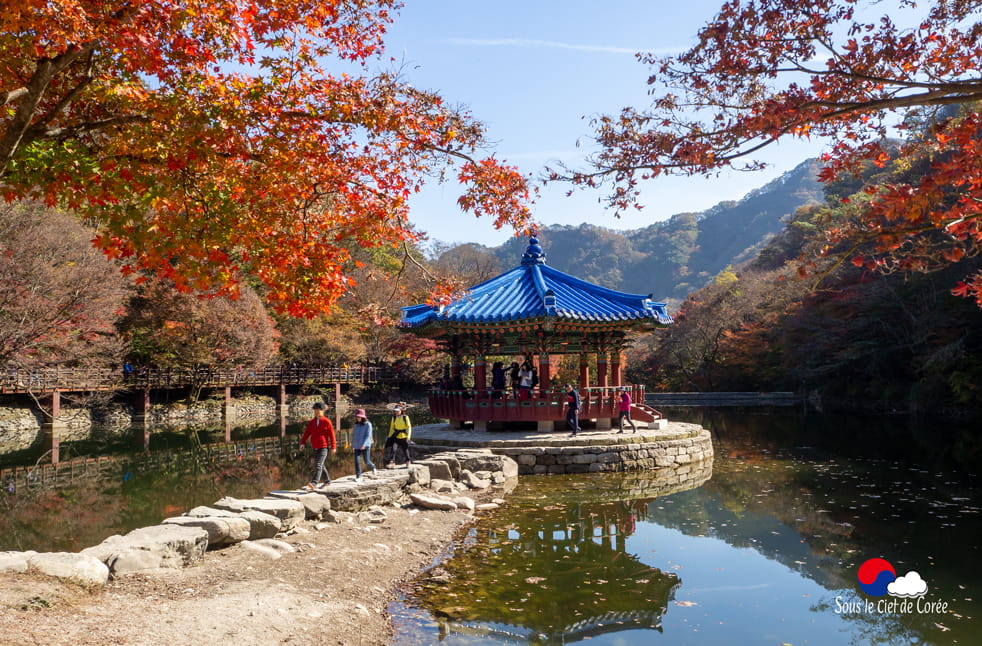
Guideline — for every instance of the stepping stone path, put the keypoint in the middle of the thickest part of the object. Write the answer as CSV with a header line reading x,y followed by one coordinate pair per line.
x,y
181,541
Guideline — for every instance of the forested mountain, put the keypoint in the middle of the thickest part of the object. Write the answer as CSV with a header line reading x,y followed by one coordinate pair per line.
x,y
672,258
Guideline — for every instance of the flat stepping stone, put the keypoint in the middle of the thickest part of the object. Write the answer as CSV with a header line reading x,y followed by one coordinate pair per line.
x,y
151,548
261,524
290,512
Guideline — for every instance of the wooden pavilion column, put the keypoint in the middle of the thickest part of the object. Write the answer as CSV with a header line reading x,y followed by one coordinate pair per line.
x,y
584,372
602,422
616,360
480,374
544,372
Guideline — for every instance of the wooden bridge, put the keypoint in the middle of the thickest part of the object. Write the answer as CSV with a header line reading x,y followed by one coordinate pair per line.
x,y
47,385
51,380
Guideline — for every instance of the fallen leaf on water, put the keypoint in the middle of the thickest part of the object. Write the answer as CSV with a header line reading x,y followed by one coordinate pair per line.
x,y
686,604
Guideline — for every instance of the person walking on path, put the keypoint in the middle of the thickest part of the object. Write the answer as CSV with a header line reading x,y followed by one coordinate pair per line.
x,y
320,432
361,442
400,432
572,409
624,411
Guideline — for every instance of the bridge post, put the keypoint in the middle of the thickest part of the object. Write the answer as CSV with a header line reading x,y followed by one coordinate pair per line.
x,y
141,415
228,412
284,408
337,407
53,427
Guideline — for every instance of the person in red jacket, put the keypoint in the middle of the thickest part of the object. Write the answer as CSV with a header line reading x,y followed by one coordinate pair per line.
x,y
320,431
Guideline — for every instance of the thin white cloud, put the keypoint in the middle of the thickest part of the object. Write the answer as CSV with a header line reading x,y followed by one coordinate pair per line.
x,y
527,43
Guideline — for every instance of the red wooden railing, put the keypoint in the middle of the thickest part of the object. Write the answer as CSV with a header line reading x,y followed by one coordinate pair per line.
x,y
547,405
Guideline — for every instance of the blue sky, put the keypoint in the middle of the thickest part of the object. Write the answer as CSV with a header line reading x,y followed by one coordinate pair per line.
x,y
535,71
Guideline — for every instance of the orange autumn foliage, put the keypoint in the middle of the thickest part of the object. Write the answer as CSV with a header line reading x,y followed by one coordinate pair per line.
x,y
846,70
209,142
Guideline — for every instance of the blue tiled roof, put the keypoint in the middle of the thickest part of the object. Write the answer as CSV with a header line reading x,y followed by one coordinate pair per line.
x,y
534,290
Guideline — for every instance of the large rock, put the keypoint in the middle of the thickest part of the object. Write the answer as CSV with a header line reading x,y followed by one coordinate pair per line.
x,y
290,512
264,550
261,524
450,459
479,461
150,548
222,530
385,488
433,501
280,546
420,474
14,561
439,469
444,486
472,481
82,568
314,504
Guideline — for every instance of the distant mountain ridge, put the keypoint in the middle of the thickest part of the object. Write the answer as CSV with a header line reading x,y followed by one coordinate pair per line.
x,y
672,258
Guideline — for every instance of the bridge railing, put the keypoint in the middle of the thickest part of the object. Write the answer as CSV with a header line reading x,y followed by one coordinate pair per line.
x,y
90,379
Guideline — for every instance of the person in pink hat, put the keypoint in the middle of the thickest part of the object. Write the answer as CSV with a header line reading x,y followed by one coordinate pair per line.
x,y
361,442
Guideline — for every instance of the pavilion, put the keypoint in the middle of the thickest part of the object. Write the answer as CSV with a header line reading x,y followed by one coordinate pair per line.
x,y
534,311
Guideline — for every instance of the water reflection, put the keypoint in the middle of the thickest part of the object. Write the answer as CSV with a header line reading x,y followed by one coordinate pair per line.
x,y
766,551
565,573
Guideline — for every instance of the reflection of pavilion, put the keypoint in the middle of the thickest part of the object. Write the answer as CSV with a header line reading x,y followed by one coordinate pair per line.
x,y
555,575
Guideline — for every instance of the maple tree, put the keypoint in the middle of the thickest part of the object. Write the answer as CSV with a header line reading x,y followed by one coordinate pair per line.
x,y
59,297
208,141
174,330
763,70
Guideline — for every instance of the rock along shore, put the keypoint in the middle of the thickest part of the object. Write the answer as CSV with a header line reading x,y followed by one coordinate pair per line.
x,y
295,567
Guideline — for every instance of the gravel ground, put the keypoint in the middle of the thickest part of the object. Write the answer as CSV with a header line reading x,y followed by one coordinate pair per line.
x,y
333,590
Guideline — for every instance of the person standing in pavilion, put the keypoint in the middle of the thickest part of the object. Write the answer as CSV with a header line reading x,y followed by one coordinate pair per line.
x,y
320,432
624,410
497,379
572,409
400,432
526,375
516,378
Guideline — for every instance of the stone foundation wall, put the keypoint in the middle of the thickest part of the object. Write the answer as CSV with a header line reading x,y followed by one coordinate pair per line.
x,y
614,457
683,445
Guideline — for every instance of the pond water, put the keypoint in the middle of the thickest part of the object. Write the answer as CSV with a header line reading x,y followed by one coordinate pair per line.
x,y
766,551
177,475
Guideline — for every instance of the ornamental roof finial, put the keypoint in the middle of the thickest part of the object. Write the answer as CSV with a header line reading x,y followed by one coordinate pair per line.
x,y
534,255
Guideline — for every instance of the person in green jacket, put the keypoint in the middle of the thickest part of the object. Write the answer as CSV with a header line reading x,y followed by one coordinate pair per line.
x,y
400,432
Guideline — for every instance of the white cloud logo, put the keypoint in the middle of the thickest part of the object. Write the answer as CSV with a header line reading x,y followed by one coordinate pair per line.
x,y
909,585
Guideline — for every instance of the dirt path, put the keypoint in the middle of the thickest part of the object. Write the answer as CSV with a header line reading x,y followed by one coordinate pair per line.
x,y
333,590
